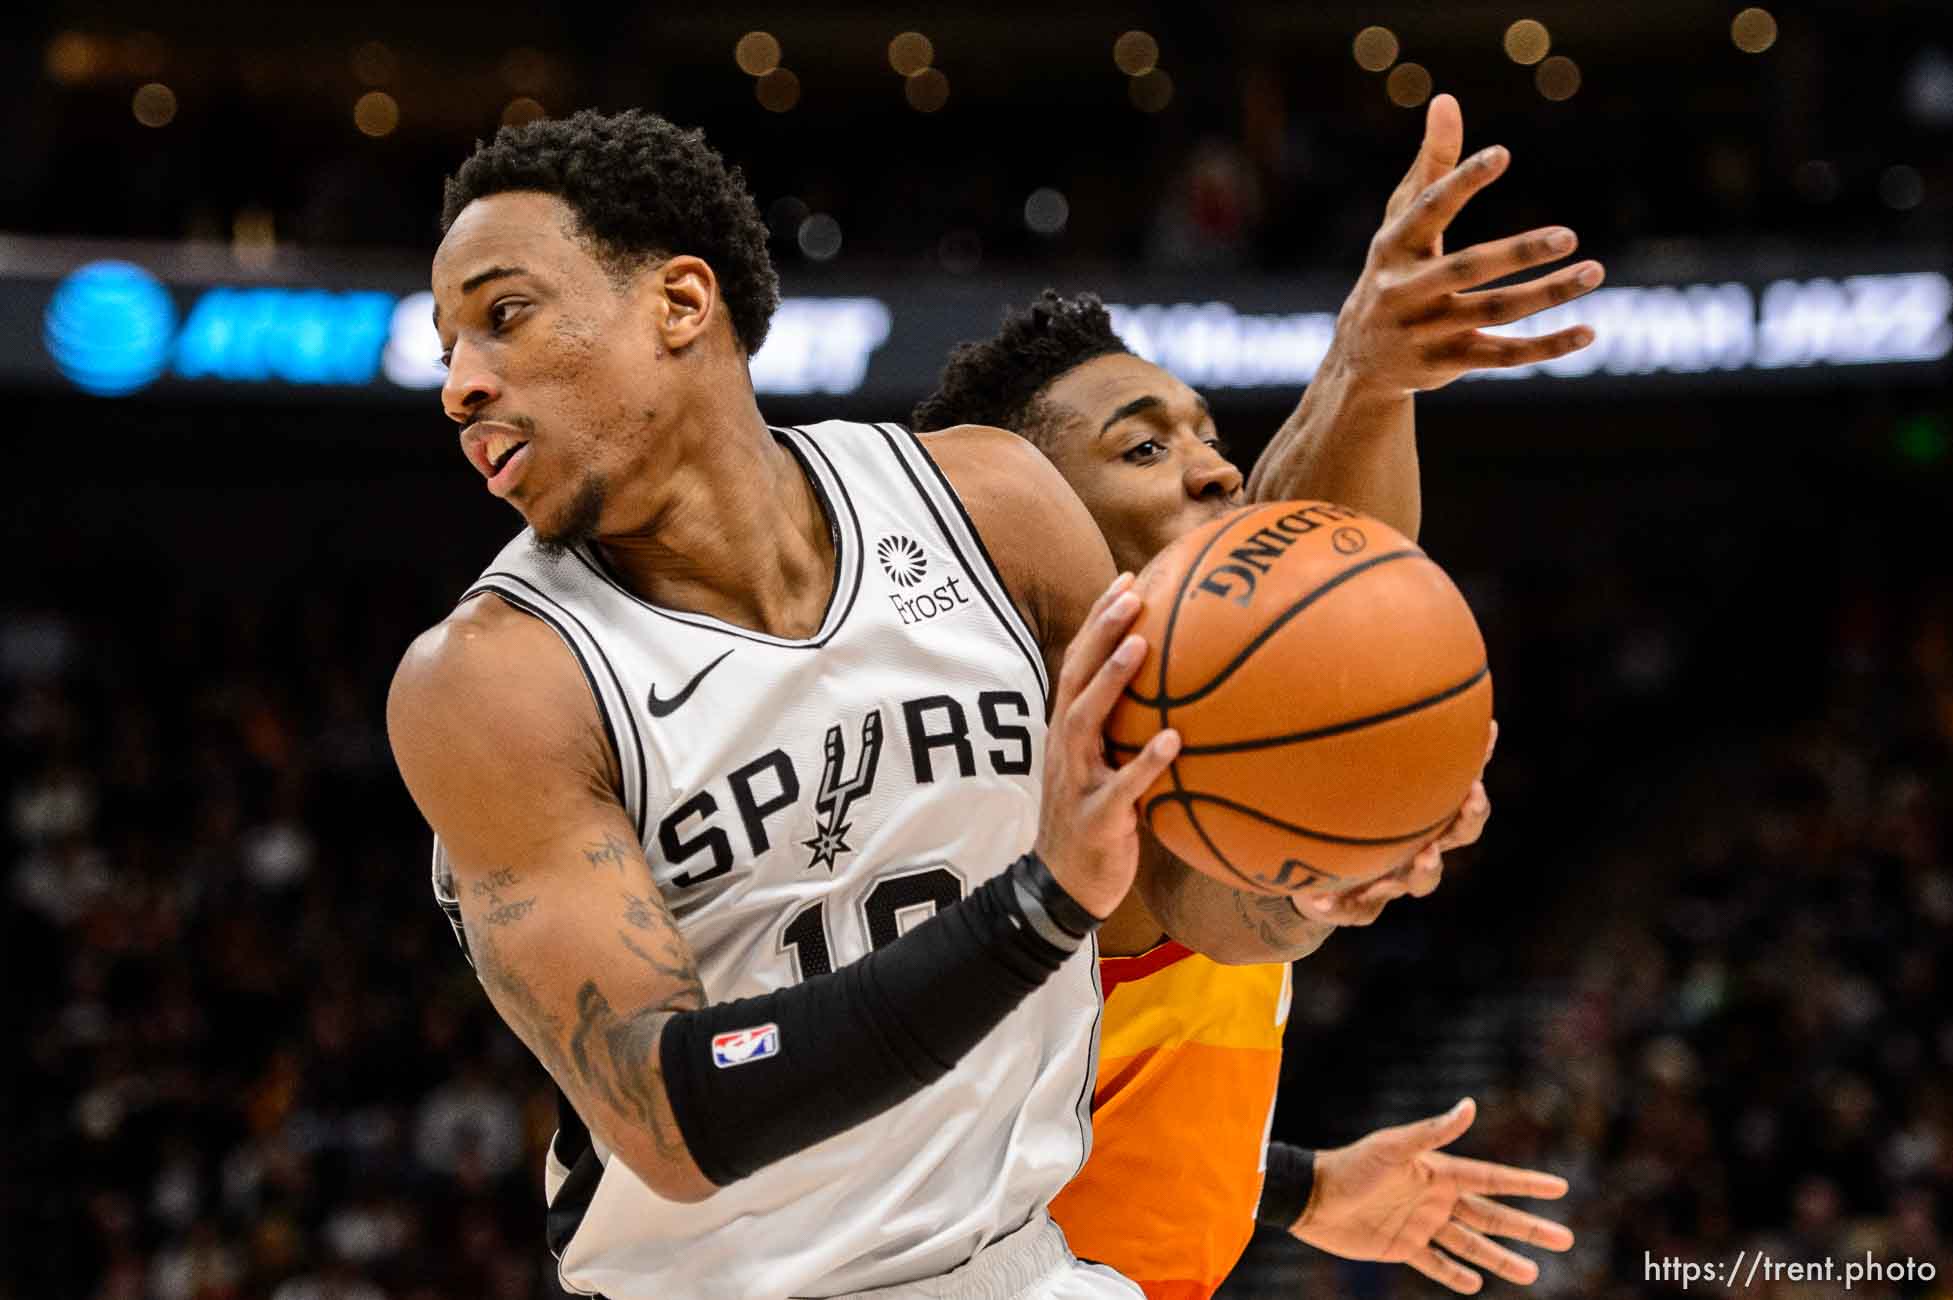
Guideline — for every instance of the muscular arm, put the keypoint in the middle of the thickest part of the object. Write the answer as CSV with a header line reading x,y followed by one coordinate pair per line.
x,y
572,942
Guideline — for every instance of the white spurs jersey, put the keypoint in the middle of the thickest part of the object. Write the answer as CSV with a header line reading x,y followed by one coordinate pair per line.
x,y
801,802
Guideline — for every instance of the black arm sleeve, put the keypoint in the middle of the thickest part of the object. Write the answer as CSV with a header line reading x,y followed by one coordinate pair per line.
x,y
1285,1188
841,1048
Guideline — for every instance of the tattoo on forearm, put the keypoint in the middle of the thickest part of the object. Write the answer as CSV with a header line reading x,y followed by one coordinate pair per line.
x,y
520,1007
675,965
608,852
616,1058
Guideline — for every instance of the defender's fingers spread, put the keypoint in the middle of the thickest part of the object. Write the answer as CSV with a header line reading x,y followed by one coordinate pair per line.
x,y
1490,1179
1445,1271
1486,1253
1428,215
1504,1221
1483,263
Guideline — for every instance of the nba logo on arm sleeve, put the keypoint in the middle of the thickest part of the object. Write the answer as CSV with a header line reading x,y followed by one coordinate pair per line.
x,y
740,1046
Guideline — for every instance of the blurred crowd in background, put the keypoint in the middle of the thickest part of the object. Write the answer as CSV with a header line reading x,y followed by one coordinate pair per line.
x,y
1699,965
1253,134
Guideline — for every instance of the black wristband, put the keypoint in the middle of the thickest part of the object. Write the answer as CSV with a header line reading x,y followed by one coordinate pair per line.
x,y
1285,1187
1048,909
756,1080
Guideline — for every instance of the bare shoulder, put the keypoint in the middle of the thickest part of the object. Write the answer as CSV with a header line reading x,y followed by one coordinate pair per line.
x,y
1038,532
488,708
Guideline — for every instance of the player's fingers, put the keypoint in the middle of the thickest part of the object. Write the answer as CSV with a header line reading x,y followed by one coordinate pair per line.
x,y
1487,1178
1498,1220
1424,219
1445,1271
1444,134
1469,824
1502,306
1476,1248
1483,263
1481,351
1085,717
1094,643
1491,743
1426,870
1132,778
1427,1135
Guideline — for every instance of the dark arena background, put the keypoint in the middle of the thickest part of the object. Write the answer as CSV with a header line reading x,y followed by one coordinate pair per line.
x,y
1701,963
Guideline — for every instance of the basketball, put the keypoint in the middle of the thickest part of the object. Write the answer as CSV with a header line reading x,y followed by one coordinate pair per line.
x,y
1331,691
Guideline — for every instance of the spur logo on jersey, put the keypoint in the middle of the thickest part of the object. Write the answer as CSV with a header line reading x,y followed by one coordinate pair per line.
x,y
1258,551
837,794
744,1046
947,737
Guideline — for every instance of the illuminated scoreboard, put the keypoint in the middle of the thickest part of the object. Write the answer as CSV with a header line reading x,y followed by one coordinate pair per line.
x,y
159,322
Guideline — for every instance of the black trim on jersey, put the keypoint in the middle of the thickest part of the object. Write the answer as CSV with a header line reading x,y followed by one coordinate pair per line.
x,y
573,1148
592,561
1083,1107
1013,623
596,690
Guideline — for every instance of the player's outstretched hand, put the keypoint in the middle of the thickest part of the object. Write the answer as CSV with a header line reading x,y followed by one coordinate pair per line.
x,y
1088,831
1413,321
1393,1196
1418,877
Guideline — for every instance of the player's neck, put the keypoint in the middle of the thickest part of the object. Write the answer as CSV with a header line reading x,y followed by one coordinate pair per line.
x,y
740,534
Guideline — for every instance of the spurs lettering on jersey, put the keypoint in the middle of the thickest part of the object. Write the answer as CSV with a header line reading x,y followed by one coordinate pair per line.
x,y
802,803
760,795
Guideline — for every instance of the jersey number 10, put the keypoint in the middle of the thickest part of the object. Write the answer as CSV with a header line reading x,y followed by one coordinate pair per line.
x,y
933,888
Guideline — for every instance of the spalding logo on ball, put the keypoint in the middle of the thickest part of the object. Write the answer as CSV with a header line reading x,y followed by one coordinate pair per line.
x,y
1330,688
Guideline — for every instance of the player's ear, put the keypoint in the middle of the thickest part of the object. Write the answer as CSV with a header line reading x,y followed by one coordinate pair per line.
x,y
686,298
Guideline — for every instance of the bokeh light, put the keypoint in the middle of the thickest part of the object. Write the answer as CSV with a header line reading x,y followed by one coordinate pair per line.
x,y
1375,48
1152,92
910,53
523,110
74,57
757,53
154,104
778,90
1753,30
1408,85
1136,53
1046,211
376,113
1527,41
927,91
820,237
1557,78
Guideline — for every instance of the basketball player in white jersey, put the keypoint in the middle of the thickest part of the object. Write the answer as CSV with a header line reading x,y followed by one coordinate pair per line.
x,y
738,761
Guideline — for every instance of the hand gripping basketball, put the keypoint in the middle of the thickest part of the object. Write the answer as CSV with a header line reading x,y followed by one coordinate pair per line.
x,y
1088,831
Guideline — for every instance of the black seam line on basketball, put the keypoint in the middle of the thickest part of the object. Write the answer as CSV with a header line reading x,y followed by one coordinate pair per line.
x,y
1166,648
1013,622
846,562
1024,642
596,691
1321,733
1287,616
1187,798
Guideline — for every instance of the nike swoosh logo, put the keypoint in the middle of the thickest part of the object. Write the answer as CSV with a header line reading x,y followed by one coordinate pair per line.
x,y
665,708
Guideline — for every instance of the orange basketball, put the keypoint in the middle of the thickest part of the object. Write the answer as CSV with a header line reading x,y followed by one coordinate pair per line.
x,y
1331,692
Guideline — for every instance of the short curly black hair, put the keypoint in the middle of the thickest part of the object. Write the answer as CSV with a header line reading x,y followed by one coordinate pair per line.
x,y
1001,381
641,188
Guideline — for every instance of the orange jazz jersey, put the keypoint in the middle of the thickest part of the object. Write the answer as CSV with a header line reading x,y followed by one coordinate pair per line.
x,y
1190,1052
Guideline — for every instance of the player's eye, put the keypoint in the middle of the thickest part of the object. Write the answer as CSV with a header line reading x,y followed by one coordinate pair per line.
x,y
502,312
1142,451
447,358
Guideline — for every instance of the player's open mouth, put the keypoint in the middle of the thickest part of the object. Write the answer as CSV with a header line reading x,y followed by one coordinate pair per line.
x,y
505,461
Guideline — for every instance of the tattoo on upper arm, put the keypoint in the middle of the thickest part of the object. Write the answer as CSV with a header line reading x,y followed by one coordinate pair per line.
x,y
489,893
616,1058
610,852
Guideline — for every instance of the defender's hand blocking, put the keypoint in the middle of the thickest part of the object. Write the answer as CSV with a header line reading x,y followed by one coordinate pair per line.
x,y
1393,1196
1410,323
1088,832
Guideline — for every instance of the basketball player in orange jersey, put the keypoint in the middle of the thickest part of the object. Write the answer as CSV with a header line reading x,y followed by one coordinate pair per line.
x,y
1190,1047
792,894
